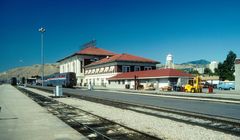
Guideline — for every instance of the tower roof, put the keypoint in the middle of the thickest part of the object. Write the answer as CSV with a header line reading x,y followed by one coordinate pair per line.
x,y
91,50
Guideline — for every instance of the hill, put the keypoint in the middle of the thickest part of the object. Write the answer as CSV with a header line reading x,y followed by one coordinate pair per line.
x,y
29,71
179,66
198,62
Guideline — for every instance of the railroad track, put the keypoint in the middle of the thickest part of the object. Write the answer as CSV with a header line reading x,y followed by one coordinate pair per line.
x,y
219,123
92,126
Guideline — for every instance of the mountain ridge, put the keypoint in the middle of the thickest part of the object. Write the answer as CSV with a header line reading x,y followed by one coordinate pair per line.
x,y
197,62
28,71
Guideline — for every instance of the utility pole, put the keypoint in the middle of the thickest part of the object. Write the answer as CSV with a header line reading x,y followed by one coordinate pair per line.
x,y
42,30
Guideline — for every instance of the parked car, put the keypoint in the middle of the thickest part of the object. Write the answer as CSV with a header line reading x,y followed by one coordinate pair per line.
x,y
205,84
226,85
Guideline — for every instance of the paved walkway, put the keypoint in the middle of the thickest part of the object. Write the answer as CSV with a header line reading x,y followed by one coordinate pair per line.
x,y
23,119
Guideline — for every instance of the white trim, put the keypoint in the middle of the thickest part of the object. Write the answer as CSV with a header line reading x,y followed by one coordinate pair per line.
x,y
89,71
106,69
93,71
97,71
101,70
111,69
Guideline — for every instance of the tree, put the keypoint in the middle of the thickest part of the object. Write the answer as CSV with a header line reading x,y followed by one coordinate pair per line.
x,y
194,72
216,72
226,69
208,71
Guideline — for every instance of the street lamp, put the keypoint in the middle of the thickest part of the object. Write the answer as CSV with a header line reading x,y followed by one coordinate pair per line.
x,y
42,30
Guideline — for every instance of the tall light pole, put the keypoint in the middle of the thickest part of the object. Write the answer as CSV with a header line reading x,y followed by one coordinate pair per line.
x,y
42,30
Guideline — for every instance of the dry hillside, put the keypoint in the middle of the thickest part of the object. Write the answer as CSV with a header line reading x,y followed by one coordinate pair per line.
x,y
29,71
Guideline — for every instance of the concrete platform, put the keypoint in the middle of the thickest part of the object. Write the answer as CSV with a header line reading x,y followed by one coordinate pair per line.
x,y
23,119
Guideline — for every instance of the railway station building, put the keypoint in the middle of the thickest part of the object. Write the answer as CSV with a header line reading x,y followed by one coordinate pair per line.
x,y
161,79
76,61
104,68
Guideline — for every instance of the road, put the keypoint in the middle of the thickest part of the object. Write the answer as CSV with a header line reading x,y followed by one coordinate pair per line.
x,y
206,107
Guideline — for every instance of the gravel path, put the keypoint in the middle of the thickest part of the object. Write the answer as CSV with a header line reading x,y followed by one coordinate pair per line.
x,y
160,127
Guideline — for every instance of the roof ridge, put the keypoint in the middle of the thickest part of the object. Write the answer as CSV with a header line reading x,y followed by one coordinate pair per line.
x,y
120,55
88,47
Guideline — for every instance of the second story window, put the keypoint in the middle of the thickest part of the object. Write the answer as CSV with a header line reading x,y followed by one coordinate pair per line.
x,y
126,69
81,66
137,68
147,68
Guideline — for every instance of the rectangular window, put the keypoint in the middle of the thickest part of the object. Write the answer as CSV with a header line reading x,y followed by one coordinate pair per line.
x,y
81,66
126,68
123,82
119,82
137,68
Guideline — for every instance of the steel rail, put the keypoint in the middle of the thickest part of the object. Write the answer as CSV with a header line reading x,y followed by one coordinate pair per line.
x,y
103,136
228,125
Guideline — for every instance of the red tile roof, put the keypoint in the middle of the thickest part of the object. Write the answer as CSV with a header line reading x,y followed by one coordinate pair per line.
x,y
123,57
92,50
151,74
95,51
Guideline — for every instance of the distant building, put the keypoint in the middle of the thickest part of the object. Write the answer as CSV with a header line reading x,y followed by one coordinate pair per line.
x,y
200,70
237,74
213,65
169,61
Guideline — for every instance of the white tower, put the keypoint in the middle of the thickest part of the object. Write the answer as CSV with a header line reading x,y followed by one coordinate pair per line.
x,y
169,61
213,65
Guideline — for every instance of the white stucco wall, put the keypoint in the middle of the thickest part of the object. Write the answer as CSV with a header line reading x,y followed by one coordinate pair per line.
x,y
70,65
73,64
237,77
98,79
163,82
157,83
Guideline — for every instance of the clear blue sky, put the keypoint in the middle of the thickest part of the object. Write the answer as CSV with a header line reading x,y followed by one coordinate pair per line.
x,y
188,29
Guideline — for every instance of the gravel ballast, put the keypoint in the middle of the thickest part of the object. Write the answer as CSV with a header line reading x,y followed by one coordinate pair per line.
x,y
160,127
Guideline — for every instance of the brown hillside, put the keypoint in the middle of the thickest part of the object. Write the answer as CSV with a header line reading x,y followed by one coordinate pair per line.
x,y
29,71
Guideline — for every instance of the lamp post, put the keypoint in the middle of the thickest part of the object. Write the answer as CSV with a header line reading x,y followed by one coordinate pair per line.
x,y
42,30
